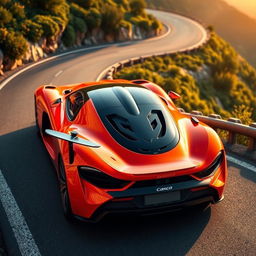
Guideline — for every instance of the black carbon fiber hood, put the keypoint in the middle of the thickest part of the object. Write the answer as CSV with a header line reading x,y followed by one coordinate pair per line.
x,y
136,118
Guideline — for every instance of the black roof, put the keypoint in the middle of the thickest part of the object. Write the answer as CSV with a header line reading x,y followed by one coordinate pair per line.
x,y
135,117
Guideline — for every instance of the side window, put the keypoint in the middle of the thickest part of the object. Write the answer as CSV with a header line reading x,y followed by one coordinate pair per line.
x,y
74,102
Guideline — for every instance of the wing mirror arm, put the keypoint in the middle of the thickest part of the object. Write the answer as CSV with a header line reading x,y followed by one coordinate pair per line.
x,y
71,138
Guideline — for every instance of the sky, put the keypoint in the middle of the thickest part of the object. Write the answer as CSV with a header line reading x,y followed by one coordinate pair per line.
x,y
247,6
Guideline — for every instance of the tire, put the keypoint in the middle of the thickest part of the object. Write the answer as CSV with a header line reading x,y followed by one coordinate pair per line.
x,y
64,192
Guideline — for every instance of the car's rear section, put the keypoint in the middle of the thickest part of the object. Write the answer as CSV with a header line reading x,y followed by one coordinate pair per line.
x,y
103,194
151,158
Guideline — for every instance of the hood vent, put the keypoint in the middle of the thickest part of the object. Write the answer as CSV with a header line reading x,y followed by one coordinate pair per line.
x,y
122,126
136,118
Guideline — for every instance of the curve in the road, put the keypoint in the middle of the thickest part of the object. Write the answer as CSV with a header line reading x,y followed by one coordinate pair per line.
x,y
221,230
82,66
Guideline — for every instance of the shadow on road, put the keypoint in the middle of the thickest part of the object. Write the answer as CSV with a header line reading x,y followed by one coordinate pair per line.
x,y
31,177
249,175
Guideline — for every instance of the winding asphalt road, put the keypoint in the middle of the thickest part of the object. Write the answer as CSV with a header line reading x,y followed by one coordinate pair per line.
x,y
225,229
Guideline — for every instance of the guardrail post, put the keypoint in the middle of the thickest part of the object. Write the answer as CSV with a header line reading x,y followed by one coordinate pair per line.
x,y
232,135
252,141
181,110
197,113
216,116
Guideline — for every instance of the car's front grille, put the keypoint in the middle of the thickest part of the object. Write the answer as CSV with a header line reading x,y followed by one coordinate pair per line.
x,y
159,182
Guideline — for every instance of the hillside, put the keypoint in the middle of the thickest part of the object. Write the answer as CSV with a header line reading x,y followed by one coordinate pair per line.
x,y
212,79
31,29
233,25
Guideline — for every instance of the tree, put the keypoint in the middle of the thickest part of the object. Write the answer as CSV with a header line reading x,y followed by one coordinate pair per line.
x,y
84,3
137,6
79,24
32,30
14,45
93,18
111,18
69,36
18,11
49,26
5,16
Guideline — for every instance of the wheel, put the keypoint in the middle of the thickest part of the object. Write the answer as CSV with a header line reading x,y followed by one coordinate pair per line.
x,y
64,192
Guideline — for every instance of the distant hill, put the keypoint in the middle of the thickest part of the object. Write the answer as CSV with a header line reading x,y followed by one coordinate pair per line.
x,y
234,26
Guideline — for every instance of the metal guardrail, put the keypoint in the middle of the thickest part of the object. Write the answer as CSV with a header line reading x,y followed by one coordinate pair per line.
x,y
136,60
234,126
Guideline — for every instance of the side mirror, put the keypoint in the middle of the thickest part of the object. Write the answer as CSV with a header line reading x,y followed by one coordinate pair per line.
x,y
173,95
73,138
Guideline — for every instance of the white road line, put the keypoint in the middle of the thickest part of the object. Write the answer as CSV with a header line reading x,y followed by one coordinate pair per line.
x,y
6,81
241,163
58,73
18,224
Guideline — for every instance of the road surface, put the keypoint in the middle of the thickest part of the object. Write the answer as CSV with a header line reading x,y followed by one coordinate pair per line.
x,y
225,229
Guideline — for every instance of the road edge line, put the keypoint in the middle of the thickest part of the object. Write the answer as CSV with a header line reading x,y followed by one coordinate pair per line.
x,y
24,238
11,77
241,163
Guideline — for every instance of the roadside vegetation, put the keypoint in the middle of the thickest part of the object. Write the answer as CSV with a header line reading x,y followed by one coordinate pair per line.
x,y
55,23
212,79
230,23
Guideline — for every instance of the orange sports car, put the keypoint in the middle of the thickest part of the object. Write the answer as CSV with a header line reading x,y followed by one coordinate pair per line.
x,y
122,147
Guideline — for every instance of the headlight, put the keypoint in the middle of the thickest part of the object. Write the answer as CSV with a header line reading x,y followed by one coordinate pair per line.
x,y
212,168
100,179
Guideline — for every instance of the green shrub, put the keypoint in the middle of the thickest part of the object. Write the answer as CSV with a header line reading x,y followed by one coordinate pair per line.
x,y
32,30
14,45
157,25
244,113
5,16
49,26
69,36
137,7
48,5
144,24
111,18
79,24
18,11
84,3
125,24
123,4
4,2
93,18
61,23
62,12
78,11
225,81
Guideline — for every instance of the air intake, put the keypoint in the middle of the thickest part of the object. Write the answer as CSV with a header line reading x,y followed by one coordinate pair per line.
x,y
122,126
157,122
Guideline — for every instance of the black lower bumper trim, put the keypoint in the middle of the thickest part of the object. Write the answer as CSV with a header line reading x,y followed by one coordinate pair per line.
x,y
103,210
